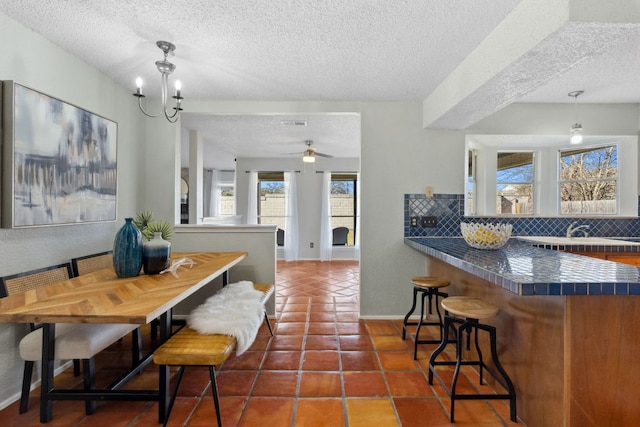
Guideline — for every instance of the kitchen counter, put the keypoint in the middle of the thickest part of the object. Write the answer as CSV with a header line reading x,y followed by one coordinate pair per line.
x,y
565,329
525,269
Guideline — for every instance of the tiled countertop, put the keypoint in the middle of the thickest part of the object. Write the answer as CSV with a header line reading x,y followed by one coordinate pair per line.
x,y
528,270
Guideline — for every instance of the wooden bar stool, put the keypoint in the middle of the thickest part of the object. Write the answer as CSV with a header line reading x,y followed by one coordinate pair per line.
x,y
429,287
469,311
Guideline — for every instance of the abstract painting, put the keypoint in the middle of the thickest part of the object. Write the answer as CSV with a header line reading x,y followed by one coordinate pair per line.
x,y
59,161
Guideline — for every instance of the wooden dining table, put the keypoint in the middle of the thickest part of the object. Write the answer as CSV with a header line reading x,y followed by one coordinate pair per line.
x,y
102,297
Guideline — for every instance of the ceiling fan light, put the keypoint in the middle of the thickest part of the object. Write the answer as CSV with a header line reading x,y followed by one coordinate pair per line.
x,y
308,157
576,134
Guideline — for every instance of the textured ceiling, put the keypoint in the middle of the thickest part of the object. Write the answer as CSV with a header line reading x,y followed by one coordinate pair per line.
x,y
357,50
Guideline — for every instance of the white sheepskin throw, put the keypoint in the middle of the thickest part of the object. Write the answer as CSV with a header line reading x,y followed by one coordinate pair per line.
x,y
235,310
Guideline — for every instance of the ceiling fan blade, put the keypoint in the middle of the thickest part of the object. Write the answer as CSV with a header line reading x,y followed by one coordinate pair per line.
x,y
328,156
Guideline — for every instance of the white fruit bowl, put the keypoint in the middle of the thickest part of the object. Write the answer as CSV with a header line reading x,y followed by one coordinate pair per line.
x,y
486,236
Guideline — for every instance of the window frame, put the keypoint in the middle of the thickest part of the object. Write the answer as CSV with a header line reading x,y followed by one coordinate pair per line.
x,y
615,179
531,182
271,177
353,178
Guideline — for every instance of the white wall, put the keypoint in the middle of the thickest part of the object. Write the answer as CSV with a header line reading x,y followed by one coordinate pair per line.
x,y
33,61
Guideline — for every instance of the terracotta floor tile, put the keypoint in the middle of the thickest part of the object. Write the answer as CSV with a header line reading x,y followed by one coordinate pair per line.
x,y
323,308
267,411
463,385
355,342
397,360
182,410
235,383
298,300
411,383
390,342
320,360
474,413
230,411
420,412
370,412
322,317
381,327
290,328
352,328
369,383
347,316
299,308
261,342
321,342
282,360
320,384
286,342
112,413
321,328
320,413
276,383
293,317
359,361
249,360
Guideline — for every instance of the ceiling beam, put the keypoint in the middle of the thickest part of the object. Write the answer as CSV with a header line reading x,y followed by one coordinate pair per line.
x,y
538,42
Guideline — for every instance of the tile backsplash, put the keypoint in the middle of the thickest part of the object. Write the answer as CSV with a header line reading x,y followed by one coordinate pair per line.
x,y
449,210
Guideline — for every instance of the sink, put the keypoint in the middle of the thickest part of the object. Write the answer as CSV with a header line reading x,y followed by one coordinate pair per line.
x,y
588,241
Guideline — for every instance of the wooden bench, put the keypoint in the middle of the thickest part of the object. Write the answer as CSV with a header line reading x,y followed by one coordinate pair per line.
x,y
188,347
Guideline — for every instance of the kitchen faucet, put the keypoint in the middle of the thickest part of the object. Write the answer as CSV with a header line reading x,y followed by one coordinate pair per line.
x,y
573,229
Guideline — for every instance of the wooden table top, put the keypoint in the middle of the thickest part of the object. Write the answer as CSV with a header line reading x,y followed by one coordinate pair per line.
x,y
102,297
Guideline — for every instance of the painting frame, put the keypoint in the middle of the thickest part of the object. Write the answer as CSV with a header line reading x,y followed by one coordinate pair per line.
x,y
59,161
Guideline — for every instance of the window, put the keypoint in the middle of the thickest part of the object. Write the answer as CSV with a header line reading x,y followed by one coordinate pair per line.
x,y
226,187
588,181
271,199
514,183
343,204
470,183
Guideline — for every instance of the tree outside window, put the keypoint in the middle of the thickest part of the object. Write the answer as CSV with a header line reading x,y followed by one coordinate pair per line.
x,y
589,181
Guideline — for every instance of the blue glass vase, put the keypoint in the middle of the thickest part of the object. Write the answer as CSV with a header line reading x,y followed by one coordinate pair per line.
x,y
127,250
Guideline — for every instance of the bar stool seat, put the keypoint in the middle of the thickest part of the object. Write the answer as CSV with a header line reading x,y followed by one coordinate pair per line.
x,y
429,287
469,310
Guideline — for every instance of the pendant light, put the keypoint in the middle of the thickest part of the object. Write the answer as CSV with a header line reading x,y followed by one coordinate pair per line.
x,y
575,135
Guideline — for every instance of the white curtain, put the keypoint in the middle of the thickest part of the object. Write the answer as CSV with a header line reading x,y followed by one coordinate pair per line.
x,y
291,217
252,203
211,193
326,234
357,241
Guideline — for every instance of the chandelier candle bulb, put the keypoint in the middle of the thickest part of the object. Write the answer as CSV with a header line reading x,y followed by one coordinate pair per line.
x,y
178,88
139,87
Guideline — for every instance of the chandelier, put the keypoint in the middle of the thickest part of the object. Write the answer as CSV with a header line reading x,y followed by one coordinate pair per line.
x,y
165,67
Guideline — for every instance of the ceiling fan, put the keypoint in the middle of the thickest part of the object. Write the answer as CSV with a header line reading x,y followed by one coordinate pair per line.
x,y
309,155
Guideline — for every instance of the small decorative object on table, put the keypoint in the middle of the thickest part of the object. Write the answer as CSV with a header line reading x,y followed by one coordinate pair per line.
x,y
486,236
127,250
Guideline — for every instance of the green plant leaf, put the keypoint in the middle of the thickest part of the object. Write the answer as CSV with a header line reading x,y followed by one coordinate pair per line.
x,y
156,226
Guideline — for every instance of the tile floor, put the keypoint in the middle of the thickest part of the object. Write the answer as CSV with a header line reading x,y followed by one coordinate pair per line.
x,y
323,367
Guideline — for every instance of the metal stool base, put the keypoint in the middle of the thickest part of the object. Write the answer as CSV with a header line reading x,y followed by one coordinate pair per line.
x,y
467,325
427,293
